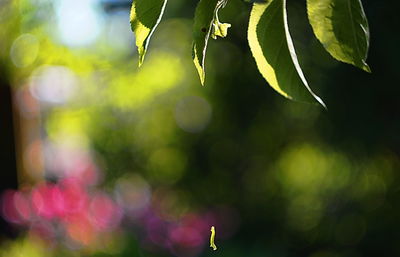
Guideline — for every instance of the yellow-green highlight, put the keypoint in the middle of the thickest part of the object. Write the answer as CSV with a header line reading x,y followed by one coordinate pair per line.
x,y
212,238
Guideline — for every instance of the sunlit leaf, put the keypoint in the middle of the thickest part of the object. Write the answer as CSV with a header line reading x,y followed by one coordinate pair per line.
x,y
206,24
256,1
342,27
273,50
145,16
219,29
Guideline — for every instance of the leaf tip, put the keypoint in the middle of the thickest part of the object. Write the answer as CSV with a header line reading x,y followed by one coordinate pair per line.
x,y
199,67
319,100
322,104
202,78
142,53
202,74
366,68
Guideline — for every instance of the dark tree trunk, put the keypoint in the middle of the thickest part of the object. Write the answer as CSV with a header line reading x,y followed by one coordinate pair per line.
x,y
8,165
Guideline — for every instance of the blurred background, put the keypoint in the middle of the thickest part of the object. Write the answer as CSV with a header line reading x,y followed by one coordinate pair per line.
x,y
100,158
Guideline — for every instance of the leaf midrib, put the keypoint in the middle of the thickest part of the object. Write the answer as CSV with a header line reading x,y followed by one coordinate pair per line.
x,y
354,30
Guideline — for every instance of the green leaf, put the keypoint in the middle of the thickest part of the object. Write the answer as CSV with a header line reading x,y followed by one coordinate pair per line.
x,y
145,16
256,1
206,24
342,28
272,47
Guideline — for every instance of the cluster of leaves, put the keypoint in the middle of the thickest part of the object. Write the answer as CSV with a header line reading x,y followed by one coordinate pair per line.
x,y
340,25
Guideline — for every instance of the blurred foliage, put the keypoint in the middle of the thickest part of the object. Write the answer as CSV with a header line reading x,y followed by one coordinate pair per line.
x,y
279,178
